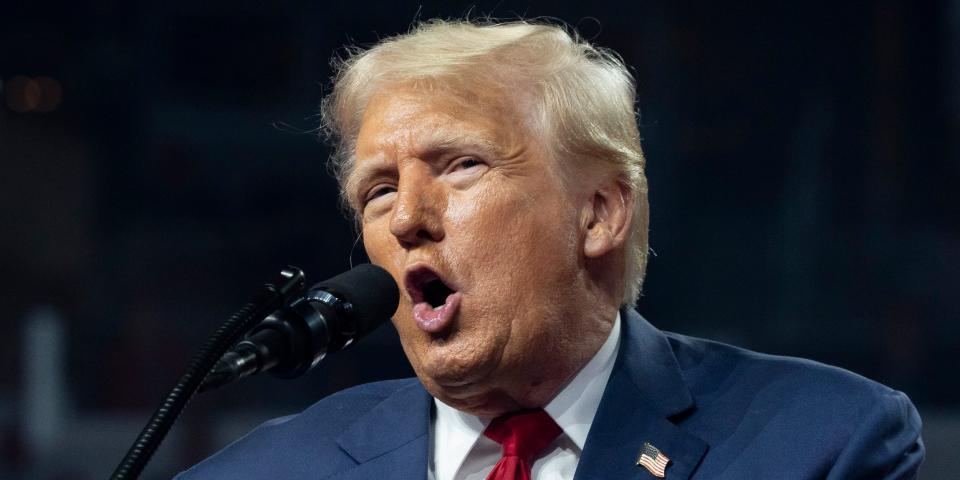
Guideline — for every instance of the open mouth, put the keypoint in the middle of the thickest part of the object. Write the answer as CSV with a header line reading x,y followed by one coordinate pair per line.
x,y
435,292
435,301
424,285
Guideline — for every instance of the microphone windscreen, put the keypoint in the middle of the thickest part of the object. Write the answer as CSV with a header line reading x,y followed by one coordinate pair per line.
x,y
372,292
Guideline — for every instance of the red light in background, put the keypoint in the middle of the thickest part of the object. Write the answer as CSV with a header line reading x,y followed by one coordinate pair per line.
x,y
24,94
51,94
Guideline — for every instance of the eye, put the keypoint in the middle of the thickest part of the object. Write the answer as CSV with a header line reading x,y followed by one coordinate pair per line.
x,y
377,192
466,163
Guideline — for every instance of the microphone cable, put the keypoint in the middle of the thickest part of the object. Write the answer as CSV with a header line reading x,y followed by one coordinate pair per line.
x,y
274,295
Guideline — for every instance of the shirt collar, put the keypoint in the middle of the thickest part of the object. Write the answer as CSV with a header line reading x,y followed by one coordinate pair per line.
x,y
575,406
573,409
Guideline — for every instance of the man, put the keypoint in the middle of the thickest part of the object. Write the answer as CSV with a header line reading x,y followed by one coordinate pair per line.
x,y
496,173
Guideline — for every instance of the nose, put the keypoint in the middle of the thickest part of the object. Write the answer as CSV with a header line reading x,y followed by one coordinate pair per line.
x,y
417,213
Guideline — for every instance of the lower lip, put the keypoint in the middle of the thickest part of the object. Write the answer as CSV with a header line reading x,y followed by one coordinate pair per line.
x,y
434,320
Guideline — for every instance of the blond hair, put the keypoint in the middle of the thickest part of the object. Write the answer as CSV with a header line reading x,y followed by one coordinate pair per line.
x,y
582,96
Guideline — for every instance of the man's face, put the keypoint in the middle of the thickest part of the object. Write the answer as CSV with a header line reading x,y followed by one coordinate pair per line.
x,y
466,209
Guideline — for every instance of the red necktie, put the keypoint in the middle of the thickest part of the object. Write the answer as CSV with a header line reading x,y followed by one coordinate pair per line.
x,y
523,435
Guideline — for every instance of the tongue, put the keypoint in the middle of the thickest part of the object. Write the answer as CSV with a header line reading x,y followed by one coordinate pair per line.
x,y
433,320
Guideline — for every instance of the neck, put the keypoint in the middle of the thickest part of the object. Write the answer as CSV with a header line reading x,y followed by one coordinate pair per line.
x,y
559,359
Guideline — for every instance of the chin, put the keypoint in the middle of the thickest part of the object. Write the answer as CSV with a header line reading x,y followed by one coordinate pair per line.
x,y
487,403
463,381
457,374
458,359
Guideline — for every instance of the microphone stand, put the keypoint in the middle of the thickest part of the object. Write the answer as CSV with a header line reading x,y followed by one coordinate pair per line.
x,y
273,296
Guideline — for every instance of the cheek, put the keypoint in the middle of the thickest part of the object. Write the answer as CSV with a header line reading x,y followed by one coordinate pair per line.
x,y
512,239
383,250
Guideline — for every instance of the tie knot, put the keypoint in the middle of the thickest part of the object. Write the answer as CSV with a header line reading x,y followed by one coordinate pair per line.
x,y
523,434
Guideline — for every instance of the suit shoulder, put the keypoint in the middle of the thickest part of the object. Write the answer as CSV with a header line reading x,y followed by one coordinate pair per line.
x,y
341,408
283,439
749,403
712,367
365,392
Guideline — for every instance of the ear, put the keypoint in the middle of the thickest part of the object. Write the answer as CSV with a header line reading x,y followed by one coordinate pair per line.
x,y
611,210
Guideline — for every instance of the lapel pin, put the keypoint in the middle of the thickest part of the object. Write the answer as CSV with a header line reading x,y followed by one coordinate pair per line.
x,y
653,460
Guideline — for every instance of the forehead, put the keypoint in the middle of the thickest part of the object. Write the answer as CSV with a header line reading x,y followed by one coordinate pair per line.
x,y
409,121
404,120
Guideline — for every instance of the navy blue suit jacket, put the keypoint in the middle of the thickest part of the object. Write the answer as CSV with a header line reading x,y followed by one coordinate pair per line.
x,y
718,412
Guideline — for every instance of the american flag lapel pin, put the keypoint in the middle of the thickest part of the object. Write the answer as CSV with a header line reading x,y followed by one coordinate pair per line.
x,y
653,460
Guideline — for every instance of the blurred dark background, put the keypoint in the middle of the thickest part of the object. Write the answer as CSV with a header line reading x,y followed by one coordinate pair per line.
x,y
158,163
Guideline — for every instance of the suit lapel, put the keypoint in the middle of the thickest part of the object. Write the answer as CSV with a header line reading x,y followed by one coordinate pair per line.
x,y
645,390
392,440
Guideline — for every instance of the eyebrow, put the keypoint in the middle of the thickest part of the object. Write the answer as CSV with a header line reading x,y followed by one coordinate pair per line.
x,y
453,140
359,175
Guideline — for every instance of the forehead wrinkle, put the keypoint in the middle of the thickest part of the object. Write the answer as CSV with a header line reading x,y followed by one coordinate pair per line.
x,y
425,139
415,132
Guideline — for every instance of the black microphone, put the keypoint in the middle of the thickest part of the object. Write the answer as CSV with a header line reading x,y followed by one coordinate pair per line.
x,y
328,318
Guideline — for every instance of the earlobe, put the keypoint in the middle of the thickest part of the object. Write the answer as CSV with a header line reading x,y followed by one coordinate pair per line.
x,y
611,212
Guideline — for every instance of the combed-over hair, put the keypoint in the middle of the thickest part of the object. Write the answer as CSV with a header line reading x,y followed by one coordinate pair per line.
x,y
582,96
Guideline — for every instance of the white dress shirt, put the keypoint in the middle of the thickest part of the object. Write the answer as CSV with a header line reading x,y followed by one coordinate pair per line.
x,y
460,451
